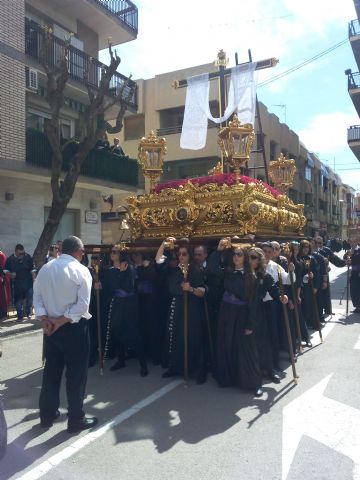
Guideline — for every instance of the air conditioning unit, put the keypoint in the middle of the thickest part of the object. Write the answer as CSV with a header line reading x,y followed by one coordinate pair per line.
x,y
32,82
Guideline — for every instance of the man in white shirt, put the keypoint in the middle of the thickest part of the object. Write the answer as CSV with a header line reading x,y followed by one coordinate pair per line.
x,y
61,299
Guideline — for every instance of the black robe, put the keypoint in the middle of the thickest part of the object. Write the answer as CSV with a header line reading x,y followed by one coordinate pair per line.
x,y
355,278
237,361
174,335
307,301
150,320
123,320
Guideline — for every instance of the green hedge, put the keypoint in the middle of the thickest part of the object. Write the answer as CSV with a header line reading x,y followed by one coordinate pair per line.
x,y
100,164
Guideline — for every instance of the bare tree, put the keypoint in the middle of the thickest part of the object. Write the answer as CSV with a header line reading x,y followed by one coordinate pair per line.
x,y
100,99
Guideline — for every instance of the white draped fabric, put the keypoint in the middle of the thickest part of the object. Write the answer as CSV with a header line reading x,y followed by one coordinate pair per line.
x,y
241,98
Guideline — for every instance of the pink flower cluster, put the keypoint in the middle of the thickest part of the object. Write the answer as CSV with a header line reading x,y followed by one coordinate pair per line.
x,y
219,179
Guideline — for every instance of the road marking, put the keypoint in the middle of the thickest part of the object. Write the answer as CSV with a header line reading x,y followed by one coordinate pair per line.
x,y
357,344
327,421
90,437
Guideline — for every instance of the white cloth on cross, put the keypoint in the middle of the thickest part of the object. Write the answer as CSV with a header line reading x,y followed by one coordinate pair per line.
x,y
241,98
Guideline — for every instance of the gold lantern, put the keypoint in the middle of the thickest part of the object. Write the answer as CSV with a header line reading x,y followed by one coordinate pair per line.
x,y
282,172
235,141
152,150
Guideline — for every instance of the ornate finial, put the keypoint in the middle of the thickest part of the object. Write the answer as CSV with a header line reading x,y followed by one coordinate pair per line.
x,y
221,61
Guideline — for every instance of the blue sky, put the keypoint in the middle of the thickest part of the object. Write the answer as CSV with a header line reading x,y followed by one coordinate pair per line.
x,y
176,35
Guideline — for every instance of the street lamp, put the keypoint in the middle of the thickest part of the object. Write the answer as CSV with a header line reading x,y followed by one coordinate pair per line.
x,y
282,172
152,150
235,141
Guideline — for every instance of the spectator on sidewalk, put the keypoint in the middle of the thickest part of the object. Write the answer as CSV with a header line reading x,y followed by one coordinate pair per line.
x,y
4,287
116,148
22,271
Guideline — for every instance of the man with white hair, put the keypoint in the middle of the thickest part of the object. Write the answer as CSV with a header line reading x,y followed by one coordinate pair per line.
x,y
61,298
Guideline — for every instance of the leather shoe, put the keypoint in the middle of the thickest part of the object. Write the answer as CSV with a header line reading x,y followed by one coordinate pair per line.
x,y
119,364
169,373
144,371
309,344
201,378
274,377
259,392
83,424
46,423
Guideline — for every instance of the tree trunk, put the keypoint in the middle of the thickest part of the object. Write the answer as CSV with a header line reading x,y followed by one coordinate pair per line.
x,y
56,212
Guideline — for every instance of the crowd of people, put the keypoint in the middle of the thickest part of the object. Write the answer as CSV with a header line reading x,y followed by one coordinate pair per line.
x,y
230,298
228,310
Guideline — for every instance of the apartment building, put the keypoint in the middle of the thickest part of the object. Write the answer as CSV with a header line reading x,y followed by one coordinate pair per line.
x,y
161,108
25,195
353,134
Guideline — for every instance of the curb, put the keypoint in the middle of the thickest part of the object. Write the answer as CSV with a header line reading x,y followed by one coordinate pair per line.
x,y
6,332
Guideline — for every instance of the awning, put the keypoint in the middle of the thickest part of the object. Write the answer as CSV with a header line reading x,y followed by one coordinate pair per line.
x,y
310,161
331,175
338,181
324,171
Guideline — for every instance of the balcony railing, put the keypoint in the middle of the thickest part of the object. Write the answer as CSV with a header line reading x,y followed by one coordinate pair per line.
x,y
78,63
99,164
354,28
124,10
353,133
178,129
353,80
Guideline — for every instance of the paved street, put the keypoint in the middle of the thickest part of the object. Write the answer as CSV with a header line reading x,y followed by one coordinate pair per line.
x,y
156,429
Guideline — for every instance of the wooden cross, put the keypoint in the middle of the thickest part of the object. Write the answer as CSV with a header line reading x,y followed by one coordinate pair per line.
x,y
222,74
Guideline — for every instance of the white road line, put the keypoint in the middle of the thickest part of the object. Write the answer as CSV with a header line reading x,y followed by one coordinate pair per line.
x,y
357,344
90,437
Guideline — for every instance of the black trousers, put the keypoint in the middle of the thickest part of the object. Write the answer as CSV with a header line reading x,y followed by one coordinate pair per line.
x,y
67,348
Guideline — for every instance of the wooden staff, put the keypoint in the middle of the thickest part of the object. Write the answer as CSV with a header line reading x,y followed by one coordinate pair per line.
x,y
347,289
287,327
185,271
296,310
98,322
315,305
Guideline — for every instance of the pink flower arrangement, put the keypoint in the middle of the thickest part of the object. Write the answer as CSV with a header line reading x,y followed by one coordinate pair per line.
x,y
218,179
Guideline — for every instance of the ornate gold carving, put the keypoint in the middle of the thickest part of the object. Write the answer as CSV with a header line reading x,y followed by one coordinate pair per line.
x,y
212,210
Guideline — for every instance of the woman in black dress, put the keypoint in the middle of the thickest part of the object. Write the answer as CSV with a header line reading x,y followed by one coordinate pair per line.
x,y
193,284
311,280
123,330
262,330
236,352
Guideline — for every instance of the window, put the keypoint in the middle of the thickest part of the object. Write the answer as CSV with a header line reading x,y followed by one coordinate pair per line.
x,y
308,173
321,179
69,224
134,127
272,150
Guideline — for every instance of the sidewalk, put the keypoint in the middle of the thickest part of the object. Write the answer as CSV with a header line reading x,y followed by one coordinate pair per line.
x,y
11,326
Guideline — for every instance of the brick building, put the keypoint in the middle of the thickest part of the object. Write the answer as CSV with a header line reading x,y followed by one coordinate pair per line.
x,y
25,194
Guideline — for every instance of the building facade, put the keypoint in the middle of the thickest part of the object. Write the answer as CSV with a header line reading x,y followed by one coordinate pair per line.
x,y
161,108
25,194
353,134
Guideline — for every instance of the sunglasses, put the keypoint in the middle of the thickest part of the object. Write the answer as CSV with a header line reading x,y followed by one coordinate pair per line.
x,y
238,254
254,257
183,254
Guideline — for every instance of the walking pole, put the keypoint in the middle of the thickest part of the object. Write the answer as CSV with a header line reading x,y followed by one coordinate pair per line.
x,y
287,327
347,289
185,271
209,331
98,322
307,263
296,310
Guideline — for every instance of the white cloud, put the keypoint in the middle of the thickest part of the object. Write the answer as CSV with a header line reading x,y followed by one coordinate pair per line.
x,y
172,37
326,133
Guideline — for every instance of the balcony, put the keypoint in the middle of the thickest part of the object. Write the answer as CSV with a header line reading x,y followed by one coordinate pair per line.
x,y
117,19
99,164
162,132
78,63
354,38
354,88
353,136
